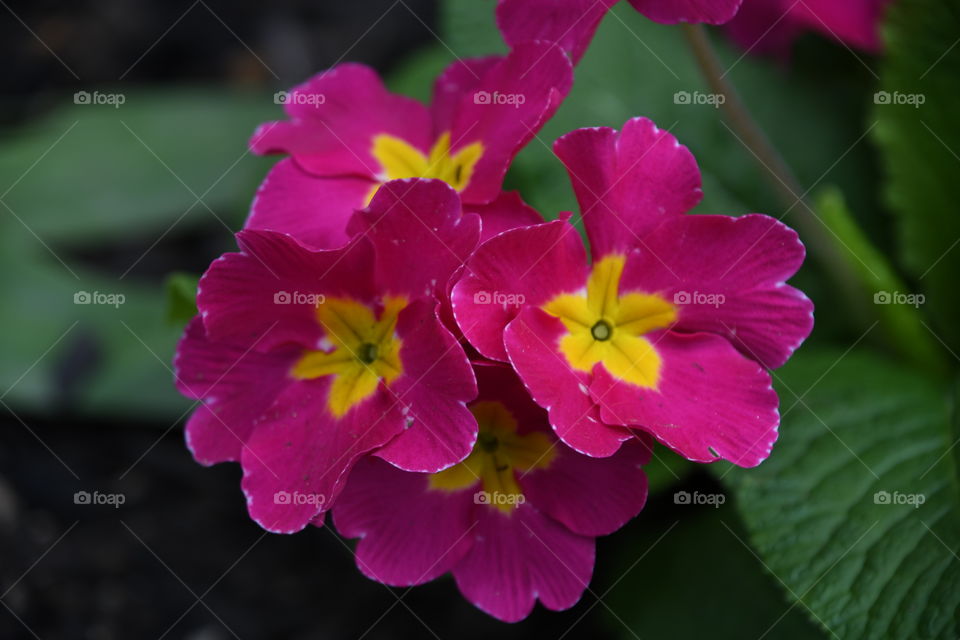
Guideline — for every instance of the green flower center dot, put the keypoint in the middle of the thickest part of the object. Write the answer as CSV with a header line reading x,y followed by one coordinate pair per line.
x,y
367,353
601,331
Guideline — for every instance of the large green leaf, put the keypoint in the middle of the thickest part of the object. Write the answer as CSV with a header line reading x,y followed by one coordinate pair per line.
x,y
921,148
857,510
684,571
94,173
876,291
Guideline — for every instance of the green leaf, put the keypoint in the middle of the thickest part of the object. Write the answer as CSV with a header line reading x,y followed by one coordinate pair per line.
x,y
90,344
92,191
857,510
920,144
878,293
96,173
690,574
181,298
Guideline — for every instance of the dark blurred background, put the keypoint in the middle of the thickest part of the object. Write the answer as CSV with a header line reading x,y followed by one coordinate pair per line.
x,y
113,199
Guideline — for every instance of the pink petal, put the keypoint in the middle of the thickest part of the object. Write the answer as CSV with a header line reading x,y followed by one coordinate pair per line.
x,y
456,83
237,385
519,558
314,210
408,534
569,23
628,182
711,402
523,91
532,340
736,289
529,266
507,212
673,11
764,27
262,295
298,458
334,117
419,234
855,22
436,384
591,496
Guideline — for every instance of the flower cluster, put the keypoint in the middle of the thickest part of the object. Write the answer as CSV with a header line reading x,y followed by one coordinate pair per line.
x,y
404,344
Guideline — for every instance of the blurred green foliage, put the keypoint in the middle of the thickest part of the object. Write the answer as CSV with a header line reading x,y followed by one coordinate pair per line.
x,y
919,136
96,193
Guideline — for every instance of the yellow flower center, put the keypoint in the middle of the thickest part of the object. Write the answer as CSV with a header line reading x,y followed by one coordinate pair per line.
x,y
499,454
606,327
399,159
363,350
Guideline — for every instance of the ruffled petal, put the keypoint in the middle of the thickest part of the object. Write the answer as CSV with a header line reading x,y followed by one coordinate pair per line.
x,y
569,23
525,266
628,182
408,534
519,558
267,294
298,458
334,117
506,109
591,496
314,210
736,289
710,401
532,339
419,234
437,383
236,384
458,81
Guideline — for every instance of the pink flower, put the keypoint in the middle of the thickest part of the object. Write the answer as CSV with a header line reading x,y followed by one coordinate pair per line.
x,y
771,26
307,359
572,23
347,135
671,327
513,523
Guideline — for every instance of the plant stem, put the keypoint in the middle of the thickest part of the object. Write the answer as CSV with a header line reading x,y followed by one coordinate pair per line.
x,y
743,125
772,165
836,256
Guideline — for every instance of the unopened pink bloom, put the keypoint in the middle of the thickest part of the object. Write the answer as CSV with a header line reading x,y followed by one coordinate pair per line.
x,y
672,326
771,26
572,23
514,523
